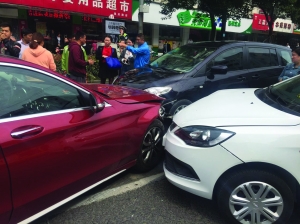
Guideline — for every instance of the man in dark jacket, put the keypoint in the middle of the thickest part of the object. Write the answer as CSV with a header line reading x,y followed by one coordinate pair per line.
x,y
77,62
8,46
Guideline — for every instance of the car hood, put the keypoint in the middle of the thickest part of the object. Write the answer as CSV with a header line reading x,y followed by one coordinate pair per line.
x,y
142,77
234,107
123,94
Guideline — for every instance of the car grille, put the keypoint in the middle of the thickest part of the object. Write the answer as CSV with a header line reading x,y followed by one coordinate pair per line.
x,y
179,168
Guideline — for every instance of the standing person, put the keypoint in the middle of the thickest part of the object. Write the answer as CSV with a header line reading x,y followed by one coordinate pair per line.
x,y
53,42
122,35
297,45
37,54
65,55
287,44
121,49
167,47
77,61
8,46
291,69
26,39
58,40
142,53
103,52
127,58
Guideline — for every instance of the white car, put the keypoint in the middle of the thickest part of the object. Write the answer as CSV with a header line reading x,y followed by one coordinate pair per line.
x,y
240,147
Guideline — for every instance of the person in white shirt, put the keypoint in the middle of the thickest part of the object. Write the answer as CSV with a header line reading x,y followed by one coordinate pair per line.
x,y
26,35
288,45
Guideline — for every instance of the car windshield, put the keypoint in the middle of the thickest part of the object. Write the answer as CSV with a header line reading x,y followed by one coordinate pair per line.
x,y
287,93
183,59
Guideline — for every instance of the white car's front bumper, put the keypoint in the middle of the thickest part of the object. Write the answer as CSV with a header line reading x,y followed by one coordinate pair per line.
x,y
183,163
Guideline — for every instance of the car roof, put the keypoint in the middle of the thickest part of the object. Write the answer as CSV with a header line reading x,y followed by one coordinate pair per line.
x,y
233,42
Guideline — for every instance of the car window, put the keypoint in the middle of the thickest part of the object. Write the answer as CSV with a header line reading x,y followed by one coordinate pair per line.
x,y
262,57
232,58
285,57
24,92
183,59
288,93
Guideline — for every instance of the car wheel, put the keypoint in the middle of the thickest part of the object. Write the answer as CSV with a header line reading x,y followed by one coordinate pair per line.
x,y
151,151
178,106
255,196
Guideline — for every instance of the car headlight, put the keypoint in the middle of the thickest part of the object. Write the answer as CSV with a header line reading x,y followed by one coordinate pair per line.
x,y
202,136
158,91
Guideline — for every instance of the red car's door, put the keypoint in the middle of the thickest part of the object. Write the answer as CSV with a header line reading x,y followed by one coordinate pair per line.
x,y
5,193
51,139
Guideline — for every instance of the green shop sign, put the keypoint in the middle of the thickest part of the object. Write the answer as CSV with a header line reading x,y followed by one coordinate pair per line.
x,y
197,19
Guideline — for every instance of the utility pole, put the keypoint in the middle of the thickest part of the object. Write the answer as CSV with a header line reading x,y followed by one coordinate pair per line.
x,y
141,16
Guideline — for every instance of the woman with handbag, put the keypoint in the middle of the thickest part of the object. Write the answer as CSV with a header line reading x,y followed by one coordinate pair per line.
x,y
108,59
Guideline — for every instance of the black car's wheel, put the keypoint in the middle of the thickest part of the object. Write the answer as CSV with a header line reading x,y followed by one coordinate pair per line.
x,y
151,151
255,196
178,106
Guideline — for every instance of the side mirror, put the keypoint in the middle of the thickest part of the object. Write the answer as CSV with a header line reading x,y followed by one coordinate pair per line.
x,y
218,70
97,103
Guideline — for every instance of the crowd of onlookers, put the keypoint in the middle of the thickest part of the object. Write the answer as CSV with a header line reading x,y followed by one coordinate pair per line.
x,y
74,58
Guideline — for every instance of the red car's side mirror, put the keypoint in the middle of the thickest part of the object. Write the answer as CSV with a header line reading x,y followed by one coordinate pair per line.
x,y
98,104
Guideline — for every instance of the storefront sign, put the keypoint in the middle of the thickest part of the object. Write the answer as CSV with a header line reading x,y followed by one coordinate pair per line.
x,y
116,8
239,26
260,22
55,14
195,19
283,25
112,27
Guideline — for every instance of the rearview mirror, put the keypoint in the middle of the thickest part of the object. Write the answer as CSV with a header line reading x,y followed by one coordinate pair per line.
x,y
218,70
98,104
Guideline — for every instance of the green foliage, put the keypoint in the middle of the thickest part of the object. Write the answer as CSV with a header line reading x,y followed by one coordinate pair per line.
x,y
91,70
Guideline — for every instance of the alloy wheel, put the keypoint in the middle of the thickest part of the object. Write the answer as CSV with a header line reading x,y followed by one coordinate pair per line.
x,y
256,203
179,108
151,144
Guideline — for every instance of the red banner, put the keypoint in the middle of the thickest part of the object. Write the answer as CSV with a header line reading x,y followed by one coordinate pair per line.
x,y
121,9
260,22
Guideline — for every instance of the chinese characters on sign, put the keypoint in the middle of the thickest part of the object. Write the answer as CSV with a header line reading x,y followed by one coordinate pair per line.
x,y
91,19
112,27
55,15
119,8
260,22
283,25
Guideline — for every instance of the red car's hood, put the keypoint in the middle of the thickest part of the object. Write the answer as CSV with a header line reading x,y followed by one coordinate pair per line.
x,y
123,94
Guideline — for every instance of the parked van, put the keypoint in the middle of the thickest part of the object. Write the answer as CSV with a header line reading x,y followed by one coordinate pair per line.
x,y
196,70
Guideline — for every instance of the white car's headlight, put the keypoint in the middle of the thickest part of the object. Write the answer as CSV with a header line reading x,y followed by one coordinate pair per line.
x,y
158,91
203,136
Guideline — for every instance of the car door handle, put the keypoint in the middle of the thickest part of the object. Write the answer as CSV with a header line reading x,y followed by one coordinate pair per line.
x,y
26,131
255,76
241,78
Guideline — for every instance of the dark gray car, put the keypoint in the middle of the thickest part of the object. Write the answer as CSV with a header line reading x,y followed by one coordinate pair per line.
x,y
195,70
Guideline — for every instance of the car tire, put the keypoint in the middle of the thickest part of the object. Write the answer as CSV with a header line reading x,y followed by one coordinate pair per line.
x,y
247,191
151,151
179,105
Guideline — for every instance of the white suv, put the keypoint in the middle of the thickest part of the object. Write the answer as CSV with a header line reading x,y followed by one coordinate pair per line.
x,y
240,147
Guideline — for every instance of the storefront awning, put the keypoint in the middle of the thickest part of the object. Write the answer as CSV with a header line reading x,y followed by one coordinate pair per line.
x,y
121,9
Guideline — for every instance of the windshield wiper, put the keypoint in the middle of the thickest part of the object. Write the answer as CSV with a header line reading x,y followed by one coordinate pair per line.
x,y
165,69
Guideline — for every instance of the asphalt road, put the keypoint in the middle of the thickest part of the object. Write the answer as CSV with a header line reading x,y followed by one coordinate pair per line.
x,y
155,202
139,198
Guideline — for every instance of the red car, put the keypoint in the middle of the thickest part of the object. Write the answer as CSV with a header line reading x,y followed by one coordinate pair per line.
x,y
60,138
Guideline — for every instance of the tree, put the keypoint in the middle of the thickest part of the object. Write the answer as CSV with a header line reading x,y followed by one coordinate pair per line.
x,y
274,9
224,9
